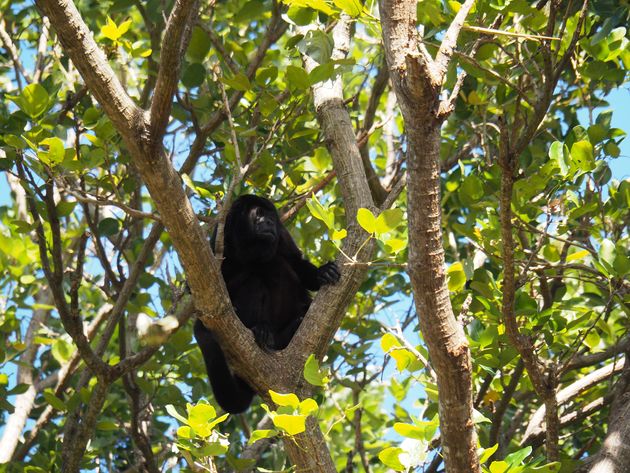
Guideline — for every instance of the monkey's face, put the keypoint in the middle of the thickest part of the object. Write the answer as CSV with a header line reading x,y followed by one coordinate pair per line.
x,y
263,224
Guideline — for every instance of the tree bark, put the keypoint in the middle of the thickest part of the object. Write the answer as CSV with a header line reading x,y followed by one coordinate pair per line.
x,y
417,81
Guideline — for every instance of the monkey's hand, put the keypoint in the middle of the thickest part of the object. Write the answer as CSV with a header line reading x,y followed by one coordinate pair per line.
x,y
328,273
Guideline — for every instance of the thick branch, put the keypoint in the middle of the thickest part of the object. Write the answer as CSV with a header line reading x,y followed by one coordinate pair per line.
x,y
405,56
174,44
416,88
314,334
91,62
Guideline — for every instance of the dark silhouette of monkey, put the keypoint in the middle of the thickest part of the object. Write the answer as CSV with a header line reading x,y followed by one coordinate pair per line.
x,y
268,281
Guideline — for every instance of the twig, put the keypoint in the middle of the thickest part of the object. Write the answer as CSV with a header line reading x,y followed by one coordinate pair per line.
x,y
481,29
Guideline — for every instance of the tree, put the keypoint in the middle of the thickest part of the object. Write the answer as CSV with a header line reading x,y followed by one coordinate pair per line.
x,y
128,129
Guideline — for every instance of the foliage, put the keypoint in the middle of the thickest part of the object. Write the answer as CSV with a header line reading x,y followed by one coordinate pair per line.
x,y
68,168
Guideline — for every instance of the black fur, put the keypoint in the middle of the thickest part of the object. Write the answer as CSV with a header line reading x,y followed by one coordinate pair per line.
x,y
268,281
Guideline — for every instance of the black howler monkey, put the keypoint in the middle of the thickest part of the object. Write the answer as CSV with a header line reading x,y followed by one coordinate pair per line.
x,y
268,281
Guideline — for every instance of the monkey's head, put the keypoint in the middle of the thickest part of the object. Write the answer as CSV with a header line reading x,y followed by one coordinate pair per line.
x,y
252,229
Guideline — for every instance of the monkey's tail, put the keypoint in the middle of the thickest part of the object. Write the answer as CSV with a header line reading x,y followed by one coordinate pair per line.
x,y
231,393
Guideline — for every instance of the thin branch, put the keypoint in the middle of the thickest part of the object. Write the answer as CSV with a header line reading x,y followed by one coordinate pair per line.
x,y
218,45
444,54
275,30
508,392
14,54
493,31
594,358
562,63
543,384
292,212
71,322
570,392
42,57
102,201
73,449
448,105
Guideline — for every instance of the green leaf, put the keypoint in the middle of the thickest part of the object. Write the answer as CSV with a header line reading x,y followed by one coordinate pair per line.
x,y
65,208
19,389
388,220
405,360
471,189
578,255
320,212
214,448
250,11
185,432
596,133
395,245
201,414
456,277
390,458
297,78
351,7
319,5
173,413
499,467
261,434
582,157
308,406
112,31
62,350
218,420
367,220
15,141
607,252
194,75
300,16
479,418
55,151
557,153
321,73
516,458
487,453
237,82
592,340
318,45
339,235
266,75
108,227
106,425
284,399
53,400
291,424
389,341
551,253
33,100
409,431
199,45
312,372
27,279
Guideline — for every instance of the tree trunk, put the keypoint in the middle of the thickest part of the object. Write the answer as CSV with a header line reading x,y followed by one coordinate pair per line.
x,y
444,336
308,451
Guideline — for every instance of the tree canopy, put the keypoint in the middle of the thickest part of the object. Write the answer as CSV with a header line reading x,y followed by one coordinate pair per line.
x,y
457,159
